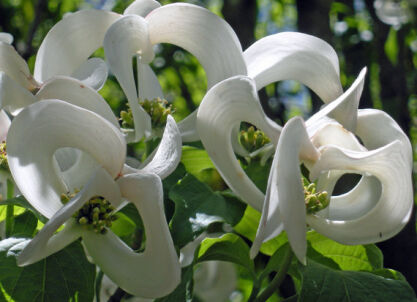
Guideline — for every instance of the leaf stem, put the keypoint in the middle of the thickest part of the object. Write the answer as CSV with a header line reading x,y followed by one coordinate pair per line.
x,y
255,290
279,277
9,209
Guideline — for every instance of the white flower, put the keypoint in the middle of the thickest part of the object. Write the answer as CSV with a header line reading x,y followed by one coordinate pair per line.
x,y
376,209
197,30
49,125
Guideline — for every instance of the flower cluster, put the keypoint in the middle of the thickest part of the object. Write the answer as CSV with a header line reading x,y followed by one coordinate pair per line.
x,y
77,142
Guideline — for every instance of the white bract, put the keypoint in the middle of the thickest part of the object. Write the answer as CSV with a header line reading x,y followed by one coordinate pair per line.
x,y
376,209
197,30
49,125
64,52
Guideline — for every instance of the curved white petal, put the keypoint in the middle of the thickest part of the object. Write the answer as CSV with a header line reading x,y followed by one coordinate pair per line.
x,y
393,209
45,242
12,64
13,97
66,157
286,199
6,38
77,93
47,126
344,109
153,273
188,128
188,251
295,56
333,133
92,73
215,281
4,125
351,205
205,35
76,176
148,84
71,41
225,105
125,39
168,154
141,7
376,129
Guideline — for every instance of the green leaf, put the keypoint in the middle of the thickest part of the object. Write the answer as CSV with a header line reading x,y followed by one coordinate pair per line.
x,y
230,247
24,225
184,291
348,257
390,274
196,207
275,262
123,226
259,173
132,213
391,46
320,283
248,226
64,276
22,202
195,160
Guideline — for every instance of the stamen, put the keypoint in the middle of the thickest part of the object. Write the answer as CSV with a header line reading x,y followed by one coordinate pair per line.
x,y
158,109
315,201
96,214
4,164
252,139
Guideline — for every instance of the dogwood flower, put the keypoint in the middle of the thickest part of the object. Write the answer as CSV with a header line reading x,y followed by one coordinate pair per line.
x,y
205,35
56,57
376,209
49,125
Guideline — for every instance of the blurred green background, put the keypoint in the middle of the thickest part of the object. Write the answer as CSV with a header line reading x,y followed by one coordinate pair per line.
x,y
379,34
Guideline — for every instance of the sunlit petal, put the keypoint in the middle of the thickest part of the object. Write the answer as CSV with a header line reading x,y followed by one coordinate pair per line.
x,y
344,108
295,56
148,84
45,242
393,209
13,65
13,97
376,129
77,93
47,126
6,38
141,7
125,39
156,271
225,105
168,154
92,73
205,35
71,41
286,198
4,125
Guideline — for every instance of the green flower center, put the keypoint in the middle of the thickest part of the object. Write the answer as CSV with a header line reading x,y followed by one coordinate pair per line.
x,y
158,109
96,214
252,139
315,201
4,164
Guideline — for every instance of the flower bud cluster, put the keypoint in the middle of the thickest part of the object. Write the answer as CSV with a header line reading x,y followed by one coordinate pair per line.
x,y
96,214
252,139
158,109
4,165
315,201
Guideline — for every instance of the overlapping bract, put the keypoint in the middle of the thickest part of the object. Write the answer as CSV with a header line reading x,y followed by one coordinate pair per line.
x,y
376,209
76,142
